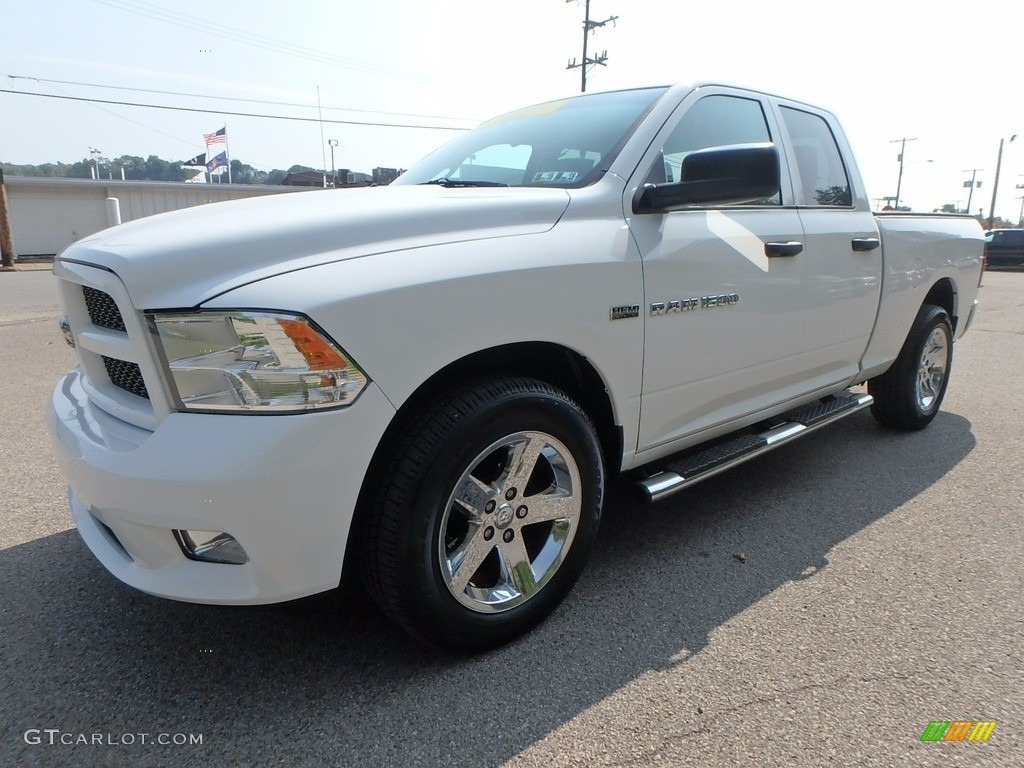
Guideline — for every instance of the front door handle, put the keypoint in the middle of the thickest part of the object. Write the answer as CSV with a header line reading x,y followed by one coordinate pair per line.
x,y
865,243
789,248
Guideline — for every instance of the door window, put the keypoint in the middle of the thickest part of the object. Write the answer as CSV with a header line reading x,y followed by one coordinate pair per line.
x,y
823,179
714,121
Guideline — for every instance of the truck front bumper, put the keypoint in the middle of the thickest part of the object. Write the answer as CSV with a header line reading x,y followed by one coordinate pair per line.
x,y
285,487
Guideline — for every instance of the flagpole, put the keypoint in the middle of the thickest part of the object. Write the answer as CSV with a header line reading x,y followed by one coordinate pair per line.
x,y
221,135
323,149
227,152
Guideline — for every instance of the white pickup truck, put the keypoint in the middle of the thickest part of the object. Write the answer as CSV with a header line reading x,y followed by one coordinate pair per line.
x,y
431,383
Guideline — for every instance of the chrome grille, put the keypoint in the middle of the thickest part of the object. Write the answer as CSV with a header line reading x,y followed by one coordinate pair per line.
x,y
126,375
102,309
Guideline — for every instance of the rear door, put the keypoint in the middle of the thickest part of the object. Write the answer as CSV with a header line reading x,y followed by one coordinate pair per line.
x,y
724,330
842,249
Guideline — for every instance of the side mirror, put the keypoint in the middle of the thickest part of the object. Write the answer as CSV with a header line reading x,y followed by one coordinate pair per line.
x,y
740,173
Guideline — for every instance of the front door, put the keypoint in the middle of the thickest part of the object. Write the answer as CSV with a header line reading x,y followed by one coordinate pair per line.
x,y
724,334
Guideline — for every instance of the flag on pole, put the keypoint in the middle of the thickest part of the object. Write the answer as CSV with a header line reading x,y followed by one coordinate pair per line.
x,y
217,162
220,136
196,161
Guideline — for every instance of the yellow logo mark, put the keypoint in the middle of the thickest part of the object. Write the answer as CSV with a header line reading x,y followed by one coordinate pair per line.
x,y
982,730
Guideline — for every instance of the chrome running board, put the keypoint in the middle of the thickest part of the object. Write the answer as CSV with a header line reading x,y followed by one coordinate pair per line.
x,y
696,466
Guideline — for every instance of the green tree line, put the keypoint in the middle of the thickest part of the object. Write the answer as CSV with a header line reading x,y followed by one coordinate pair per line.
x,y
151,168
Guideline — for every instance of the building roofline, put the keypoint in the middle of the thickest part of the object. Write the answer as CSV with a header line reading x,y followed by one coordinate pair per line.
x,y
64,181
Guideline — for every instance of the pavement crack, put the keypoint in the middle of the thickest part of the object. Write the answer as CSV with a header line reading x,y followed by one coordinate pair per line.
x,y
644,758
49,318
998,330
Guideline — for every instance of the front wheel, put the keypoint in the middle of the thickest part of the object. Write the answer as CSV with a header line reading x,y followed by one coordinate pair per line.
x,y
485,514
909,394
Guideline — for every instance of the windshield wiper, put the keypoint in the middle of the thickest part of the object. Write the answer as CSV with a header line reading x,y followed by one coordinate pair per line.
x,y
446,182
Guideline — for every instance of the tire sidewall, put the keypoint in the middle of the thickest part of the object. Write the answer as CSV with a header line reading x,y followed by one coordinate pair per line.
x,y
915,417
435,610
936,318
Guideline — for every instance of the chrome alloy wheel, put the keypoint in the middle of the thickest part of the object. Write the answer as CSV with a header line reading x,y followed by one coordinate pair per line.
x,y
510,522
931,370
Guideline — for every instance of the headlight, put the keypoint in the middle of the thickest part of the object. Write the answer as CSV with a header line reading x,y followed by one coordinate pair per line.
x,y
254,362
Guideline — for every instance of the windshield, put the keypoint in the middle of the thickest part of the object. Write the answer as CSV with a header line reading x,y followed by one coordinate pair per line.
x,y
567,143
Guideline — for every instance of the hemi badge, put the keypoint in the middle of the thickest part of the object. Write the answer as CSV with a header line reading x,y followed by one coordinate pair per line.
x,y
624,312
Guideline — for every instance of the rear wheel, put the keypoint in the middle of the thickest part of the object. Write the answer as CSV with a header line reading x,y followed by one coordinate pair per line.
x,y
909,394
485,515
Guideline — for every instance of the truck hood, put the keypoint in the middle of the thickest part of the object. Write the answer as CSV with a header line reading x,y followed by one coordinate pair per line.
x,y
185,257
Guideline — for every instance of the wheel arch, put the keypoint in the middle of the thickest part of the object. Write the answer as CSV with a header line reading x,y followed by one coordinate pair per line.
x,y
557,365
943,294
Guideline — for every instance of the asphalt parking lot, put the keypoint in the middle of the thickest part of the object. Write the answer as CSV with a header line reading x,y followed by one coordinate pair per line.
x,y
818,606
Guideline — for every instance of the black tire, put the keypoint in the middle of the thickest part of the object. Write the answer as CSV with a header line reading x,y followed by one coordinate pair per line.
x,y
421,539
909,394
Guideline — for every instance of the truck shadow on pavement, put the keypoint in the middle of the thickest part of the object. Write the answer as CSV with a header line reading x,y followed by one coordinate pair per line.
x,y
337,686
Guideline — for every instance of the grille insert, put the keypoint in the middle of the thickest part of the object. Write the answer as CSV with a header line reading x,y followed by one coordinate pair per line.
x,y
126,375
103,310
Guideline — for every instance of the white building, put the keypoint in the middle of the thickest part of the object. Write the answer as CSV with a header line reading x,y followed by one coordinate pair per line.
x,y
48,214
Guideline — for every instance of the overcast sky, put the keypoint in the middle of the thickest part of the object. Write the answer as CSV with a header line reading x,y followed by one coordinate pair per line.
x,y
948,75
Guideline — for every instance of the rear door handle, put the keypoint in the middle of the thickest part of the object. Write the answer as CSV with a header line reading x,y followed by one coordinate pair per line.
x,y
865,243
789,248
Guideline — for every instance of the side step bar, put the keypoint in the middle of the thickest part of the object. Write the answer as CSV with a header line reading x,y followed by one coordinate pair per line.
x,y
694,467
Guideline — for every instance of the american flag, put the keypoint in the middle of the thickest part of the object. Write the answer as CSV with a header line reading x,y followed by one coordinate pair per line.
x,y
220,136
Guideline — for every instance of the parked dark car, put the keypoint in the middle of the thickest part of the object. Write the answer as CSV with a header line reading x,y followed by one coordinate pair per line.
x,y
1004,248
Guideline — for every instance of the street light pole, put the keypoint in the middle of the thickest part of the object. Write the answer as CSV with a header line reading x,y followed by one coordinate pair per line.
x,y
995,184
1020,222
334,173
970,195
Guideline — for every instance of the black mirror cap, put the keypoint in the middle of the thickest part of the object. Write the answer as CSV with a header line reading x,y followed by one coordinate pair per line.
x,y
730,175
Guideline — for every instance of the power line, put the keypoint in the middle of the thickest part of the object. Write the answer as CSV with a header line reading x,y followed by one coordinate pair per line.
x,y
135,122
158,13
236,98
232,114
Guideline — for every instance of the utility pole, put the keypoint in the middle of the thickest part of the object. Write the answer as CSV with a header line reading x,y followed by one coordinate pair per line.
x,y
6,241
588,27
95,161
995,184
971,184
899,181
